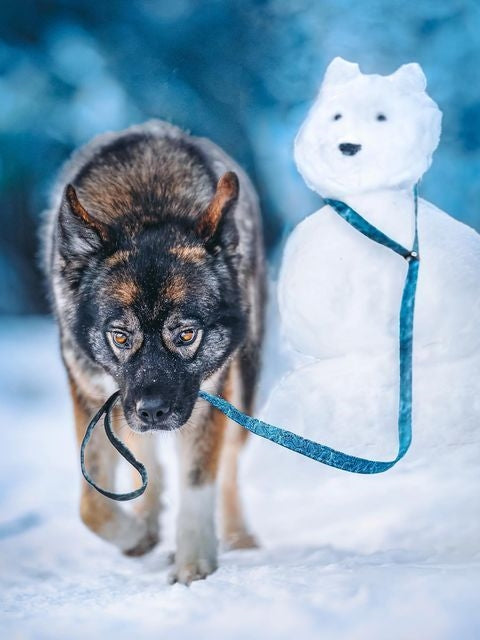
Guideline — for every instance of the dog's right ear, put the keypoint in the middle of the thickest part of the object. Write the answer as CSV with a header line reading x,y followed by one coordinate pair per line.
x,y
215,224
81,234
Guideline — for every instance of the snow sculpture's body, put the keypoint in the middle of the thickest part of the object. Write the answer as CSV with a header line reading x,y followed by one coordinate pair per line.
x,y
339,292
366,141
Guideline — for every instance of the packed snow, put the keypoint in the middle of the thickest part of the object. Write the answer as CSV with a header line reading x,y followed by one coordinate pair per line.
x,y
339,555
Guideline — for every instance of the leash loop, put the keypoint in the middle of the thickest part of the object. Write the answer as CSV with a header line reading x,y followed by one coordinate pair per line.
x,y
119,446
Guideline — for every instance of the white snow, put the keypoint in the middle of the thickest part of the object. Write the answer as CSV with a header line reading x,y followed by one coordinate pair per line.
x,y
339,300
393,120
339,557
343,556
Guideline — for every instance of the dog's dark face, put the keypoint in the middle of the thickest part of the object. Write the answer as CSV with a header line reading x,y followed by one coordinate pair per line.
x,y
157,306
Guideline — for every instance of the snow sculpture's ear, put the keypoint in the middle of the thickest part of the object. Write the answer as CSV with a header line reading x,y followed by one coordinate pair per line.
x,y
340,71
410,77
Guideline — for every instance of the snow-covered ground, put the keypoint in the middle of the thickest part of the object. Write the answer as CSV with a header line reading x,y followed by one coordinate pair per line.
x,y
394,556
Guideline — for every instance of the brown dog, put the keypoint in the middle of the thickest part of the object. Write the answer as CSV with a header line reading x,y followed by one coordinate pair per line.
x,y
154,257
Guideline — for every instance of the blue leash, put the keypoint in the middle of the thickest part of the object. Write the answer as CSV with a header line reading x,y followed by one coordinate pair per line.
x,y
285,438
119,446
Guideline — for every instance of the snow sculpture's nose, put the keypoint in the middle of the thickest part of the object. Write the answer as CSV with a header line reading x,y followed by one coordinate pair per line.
x,y
349,149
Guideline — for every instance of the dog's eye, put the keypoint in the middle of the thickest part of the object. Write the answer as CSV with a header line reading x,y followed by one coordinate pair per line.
x,y
187,336
120,339
337,116
381,117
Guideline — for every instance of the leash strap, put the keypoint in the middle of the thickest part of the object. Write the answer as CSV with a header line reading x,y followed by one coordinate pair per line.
x,y
320,452
283,437
119,446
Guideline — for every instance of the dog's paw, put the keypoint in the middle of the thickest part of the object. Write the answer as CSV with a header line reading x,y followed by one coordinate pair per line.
x,y
196,552
146,544
187,572
240,540
195,557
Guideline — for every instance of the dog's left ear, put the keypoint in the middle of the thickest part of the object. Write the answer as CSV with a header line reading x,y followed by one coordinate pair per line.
x,y
216,225
81,234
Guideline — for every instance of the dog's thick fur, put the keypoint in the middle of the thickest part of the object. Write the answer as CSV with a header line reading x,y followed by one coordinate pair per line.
x,y
155,262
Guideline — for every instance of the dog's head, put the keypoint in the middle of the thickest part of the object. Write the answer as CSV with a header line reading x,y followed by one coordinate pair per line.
x,y
158,304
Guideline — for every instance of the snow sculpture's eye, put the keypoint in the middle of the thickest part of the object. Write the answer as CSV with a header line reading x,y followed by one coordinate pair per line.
x,y
381,117
337,116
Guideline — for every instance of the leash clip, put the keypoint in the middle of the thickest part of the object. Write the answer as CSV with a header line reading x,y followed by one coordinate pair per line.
x,y
413,255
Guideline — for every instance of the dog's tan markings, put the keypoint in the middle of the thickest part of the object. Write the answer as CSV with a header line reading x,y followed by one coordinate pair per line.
x,y
80,410
79,210
225,195
208,447
95,510
123,289
98,513
235,533
125,292
217,432
118,257
209,439
175,289
110,194
189,253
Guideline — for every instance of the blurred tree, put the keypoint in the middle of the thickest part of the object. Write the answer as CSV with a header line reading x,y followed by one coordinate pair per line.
x,y
241,72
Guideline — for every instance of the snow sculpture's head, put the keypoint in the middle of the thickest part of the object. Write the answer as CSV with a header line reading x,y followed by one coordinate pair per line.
x,y
367,132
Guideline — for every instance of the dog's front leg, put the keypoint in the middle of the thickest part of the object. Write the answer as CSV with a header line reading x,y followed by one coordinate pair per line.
x,y
199,450
100,514
148,507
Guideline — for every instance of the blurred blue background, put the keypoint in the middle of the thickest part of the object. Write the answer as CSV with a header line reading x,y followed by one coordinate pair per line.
x,y
241,72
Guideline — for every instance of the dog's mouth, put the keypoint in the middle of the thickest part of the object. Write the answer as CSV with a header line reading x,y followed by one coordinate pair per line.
x,y
171,425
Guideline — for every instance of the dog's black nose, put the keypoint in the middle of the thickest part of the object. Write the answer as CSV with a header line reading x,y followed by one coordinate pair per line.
x,y
152,410
349,149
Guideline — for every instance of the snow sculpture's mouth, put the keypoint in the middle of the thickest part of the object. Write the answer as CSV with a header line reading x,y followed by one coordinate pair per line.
x,y
349,149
